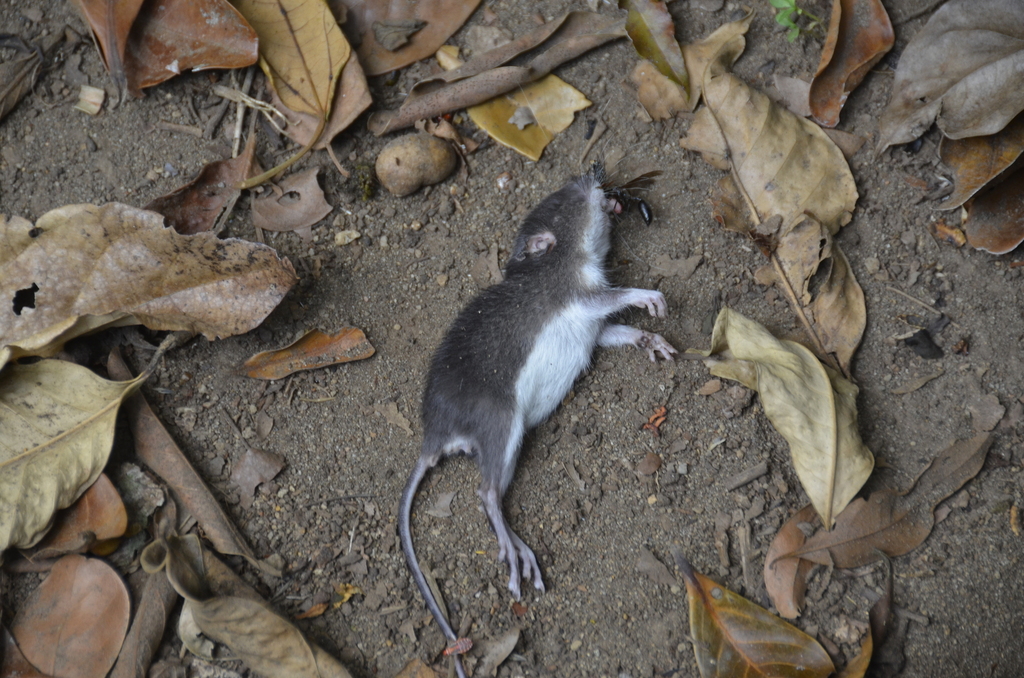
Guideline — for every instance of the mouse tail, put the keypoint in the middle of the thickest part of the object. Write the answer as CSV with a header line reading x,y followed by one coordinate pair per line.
x,y
424,464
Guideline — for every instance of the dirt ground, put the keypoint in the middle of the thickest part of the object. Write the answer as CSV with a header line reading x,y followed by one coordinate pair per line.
x,y
331,514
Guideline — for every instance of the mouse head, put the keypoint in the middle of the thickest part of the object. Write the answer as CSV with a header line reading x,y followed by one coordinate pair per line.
x,y
569,228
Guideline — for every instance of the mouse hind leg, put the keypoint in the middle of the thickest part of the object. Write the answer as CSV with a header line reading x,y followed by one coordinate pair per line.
x,y
521,560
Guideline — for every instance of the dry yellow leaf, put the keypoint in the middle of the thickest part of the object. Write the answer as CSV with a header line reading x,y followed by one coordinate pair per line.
x,y
813,407
715,53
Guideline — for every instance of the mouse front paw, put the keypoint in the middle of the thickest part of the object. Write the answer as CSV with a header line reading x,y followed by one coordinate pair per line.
x,y
655,345
653,301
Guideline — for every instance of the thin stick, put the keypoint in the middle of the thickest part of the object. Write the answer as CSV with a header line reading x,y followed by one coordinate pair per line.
x,y
920,303
236,141
185,129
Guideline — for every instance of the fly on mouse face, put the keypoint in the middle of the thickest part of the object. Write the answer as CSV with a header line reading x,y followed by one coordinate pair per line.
x,y
625,192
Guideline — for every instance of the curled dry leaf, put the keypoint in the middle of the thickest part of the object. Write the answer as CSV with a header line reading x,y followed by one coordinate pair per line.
x,y
814,408
440,18
18,75
859,35
442,508
82,267
896,523
156,449
253,469
196,206
734,637
653,33
99,514
978,160
786,578
294,205
73,624
416,668
495,652
995,219
785,167
110,22
173,36
964,69
481,79
549,103
313,350
55,439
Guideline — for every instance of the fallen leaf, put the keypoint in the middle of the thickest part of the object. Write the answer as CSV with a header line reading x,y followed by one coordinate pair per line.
x,y
714,54
441,19
892,523
391,414
986,411
848,143
922,343
916,384
416,668
196,206
155,605
710,387
313,612
786,578
995,218
18,75
795,94
495,652
978,160
813,407
110,22
299,204
648,564
72,625
155,447
173,36
254,468
649,465
55,439
99,514
858,666
888,633
790,190
734,637
963,70
653,33
82,267
859,35
480,79
660,96
228,611
395,33
311,351
442,507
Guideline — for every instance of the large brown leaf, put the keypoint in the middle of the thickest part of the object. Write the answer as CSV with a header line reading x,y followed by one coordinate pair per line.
x,y
859,34
155,605
73,624
172,36
82,267
965,69
896,523
99,514
734,637
441,19
111,21
786,578
995,218
814,408
978,160
55,439
785,167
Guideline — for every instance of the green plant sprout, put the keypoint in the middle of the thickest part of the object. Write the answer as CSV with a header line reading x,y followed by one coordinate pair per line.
x,y
784,16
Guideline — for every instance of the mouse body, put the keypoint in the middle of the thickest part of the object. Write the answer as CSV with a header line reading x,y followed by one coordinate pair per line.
x,y
513,354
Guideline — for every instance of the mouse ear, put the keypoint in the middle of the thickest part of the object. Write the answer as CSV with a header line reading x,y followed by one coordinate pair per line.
x,y
540,243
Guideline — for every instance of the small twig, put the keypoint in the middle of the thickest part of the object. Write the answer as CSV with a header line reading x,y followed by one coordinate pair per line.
x,y
262,106
920,303
743,477
185,129
341,170
212,123
236,140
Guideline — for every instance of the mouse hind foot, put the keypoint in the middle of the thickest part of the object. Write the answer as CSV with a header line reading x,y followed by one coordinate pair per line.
x,y
521,560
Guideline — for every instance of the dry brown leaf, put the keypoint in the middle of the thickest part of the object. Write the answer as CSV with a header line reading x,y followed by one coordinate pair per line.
x,y
18,75
786,168
714,54
84,267
442,508
659,95
734,637
495,652
313,350
55,439
995,218
111,21
653,33
894,523
794,94
647,563
155,447
73,624
155,605
964,69
481,79
253,469
196,206
442,18
294,205
313,612
173,36
786,578
12,661
99,514
859,35
814,408
978,160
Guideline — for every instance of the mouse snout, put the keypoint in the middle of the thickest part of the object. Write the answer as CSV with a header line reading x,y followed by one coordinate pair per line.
x,y
611,205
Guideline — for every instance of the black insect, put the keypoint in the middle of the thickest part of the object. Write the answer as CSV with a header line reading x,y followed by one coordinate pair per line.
x,y
626,192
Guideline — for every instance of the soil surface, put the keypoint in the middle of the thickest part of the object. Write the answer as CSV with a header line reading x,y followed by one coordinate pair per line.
x,y
331,514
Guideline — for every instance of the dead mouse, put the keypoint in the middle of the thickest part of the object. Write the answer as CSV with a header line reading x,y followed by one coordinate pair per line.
x,y
514,352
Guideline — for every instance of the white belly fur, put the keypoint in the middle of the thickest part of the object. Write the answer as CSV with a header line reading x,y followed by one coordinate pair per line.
x,y
561,352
